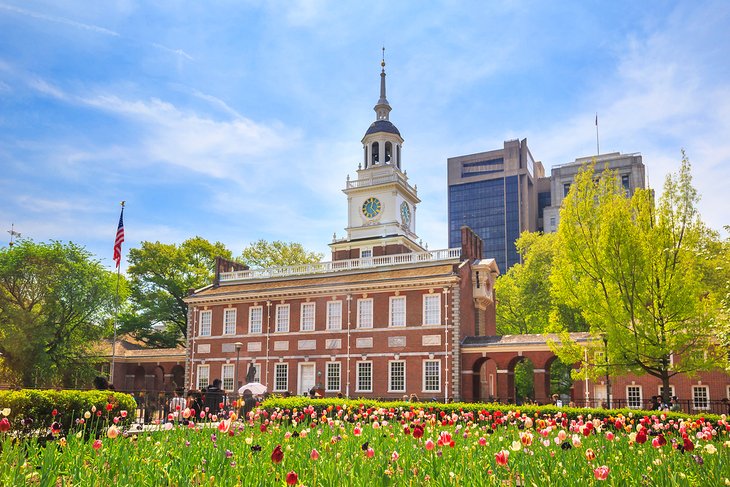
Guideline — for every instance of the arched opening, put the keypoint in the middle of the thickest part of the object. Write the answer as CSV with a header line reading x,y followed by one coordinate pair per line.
x,y
159,379
365,156
139,378
559,380
397,155
521,380
374,153
484,378
178,377
388,152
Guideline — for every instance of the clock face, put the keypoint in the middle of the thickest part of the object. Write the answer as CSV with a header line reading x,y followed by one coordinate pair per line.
x,y
372,207
405,213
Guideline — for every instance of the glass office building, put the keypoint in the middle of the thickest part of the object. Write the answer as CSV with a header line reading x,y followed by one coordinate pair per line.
x,y
493,193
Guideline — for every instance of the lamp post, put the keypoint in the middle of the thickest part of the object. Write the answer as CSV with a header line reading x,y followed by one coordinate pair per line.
x,y
608,378
238,346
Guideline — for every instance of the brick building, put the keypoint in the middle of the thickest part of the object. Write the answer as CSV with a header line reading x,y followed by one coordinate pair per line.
x,y
384,318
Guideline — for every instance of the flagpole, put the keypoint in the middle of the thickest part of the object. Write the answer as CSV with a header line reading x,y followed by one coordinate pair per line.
x,y
116,315
598,149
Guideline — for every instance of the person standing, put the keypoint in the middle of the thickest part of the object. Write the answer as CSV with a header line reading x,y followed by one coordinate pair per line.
x,y
213,397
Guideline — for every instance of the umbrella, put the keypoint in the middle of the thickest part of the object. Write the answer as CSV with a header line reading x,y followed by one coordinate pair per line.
x,y
256,388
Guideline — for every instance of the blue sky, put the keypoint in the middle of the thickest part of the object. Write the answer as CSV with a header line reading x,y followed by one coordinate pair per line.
x,y
240,120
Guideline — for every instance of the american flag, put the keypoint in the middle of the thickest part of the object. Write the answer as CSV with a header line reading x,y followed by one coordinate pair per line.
x,y
120,238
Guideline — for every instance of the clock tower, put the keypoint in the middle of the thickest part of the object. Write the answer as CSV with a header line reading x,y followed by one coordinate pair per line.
x,y
381,217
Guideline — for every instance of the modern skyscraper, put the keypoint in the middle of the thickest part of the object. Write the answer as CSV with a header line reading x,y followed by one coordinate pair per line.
x,y
495,194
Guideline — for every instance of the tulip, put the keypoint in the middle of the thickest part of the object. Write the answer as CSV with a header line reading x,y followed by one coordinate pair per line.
x,y
590,455
5,412
96,445
429,444
370,453
277,455
4,425
314,455
501,457
601,473
482,441
112,432
292,478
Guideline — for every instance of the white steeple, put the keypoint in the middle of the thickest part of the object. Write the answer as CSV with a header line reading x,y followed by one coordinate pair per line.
x,y
381,203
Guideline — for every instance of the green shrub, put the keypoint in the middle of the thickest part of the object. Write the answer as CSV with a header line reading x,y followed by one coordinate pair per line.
x,y
299,403
32,411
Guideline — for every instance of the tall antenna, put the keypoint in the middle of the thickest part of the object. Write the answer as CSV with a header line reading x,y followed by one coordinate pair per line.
x,y
13,234
598,148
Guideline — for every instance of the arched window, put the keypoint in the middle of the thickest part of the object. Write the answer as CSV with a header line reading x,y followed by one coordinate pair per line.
x,y
375,153
397,155
388,152
365,155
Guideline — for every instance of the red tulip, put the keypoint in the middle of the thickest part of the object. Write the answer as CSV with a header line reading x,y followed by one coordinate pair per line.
x,y
688,445
417,432
277,455
641,437
429,444
501,457
314,455
4,425
292,478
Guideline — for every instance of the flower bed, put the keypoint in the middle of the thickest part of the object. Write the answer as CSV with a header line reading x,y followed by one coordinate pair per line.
x,y
372,445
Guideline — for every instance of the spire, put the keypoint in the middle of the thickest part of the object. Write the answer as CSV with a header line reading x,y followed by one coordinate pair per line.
x,y
382,109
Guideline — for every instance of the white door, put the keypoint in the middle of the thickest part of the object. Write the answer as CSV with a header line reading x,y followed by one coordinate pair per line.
x,y
599,395
306,378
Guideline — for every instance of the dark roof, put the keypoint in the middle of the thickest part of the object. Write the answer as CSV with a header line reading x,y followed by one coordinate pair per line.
x,y
382,126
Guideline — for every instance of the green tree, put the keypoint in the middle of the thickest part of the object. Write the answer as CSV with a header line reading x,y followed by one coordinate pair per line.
x,y
160,277
634,271
54,301
262,254
524,294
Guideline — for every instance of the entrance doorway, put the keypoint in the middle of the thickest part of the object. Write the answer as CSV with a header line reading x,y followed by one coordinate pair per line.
x,y
306,378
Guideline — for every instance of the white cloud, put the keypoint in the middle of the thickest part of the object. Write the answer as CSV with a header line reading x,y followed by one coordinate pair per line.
x,y
60,20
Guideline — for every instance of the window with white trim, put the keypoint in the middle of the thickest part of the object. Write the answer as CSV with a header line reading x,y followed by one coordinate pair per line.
x,y
701,397
364,253
432,376
255,319
203,376
281,377
333,373
244,371
364,380
365,313
432,309
661,390
227,373
307,317
229,321
334,315
397,311
282,318
634,397
396,376
206,318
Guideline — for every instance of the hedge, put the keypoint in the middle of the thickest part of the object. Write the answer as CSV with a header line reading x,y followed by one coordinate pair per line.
x,y
32,410
353,405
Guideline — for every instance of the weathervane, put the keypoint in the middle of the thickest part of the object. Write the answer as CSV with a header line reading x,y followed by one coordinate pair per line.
x,y
13,234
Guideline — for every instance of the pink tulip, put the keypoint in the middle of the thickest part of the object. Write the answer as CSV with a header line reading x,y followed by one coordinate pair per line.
x,y
429,444
314,455
601,473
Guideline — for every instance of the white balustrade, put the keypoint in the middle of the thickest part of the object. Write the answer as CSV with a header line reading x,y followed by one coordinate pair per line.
x,y
342,265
